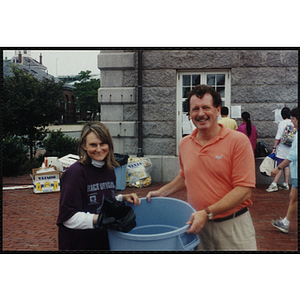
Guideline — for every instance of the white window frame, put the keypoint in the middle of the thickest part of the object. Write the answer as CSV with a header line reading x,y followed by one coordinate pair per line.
x,y
226,100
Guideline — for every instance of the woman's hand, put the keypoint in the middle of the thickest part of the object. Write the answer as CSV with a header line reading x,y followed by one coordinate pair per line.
x,y
132,198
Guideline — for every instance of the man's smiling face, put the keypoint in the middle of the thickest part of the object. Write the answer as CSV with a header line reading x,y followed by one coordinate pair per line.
x,y
203,113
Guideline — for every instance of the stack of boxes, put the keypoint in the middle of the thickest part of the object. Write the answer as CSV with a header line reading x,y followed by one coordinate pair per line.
x,y
46,179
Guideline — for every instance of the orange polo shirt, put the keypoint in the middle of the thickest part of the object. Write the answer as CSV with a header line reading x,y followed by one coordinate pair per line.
x,y
213,170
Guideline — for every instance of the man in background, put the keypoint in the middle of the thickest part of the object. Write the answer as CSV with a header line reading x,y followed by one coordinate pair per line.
x,y
226,121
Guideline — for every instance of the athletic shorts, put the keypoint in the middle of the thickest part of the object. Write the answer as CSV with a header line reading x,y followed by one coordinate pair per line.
x,y
279,161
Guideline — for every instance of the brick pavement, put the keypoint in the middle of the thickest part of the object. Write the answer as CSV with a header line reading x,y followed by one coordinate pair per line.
x,y
29,220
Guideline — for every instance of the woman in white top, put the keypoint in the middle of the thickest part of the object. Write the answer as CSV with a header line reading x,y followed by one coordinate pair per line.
x,y
281,151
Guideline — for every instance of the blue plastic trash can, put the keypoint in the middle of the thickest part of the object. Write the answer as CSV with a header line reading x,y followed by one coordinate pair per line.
x,y
120,171
121,177
161,226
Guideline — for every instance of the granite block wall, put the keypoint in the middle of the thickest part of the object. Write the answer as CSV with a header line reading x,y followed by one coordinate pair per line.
x,y
261,81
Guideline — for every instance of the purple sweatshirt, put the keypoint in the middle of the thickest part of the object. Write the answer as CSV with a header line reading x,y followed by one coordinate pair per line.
x,y
83,189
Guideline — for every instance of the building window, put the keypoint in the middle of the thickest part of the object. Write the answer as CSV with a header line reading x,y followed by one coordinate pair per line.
x,y
218,79
188,82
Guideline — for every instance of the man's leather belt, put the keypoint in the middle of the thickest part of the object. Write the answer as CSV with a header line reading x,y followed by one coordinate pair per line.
x,y
234,215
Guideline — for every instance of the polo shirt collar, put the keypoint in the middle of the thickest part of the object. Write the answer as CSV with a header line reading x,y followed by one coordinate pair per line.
x,y
222,134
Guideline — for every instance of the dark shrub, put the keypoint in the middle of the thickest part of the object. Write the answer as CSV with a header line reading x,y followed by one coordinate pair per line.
x,y
58,144
15,154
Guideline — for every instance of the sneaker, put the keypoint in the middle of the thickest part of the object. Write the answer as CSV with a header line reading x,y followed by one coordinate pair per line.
x,y
279,225
284,187
272,188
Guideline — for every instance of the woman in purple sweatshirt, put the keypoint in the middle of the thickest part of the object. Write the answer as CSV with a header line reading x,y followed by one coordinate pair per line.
x,y
83,188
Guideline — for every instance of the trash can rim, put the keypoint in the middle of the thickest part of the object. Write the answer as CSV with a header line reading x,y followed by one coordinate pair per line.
x,y
157,236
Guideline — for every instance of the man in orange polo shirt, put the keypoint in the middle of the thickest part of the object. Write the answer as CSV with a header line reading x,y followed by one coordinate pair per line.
x,y
218,171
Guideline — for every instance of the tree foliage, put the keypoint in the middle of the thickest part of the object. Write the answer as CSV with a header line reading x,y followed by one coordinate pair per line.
x,y
14,155
29,105
86,92
59,144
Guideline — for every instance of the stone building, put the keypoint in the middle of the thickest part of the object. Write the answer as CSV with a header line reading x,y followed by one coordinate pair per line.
x,y
142,92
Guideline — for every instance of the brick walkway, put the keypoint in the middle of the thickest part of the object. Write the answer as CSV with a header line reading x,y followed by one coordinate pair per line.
x,y
29,220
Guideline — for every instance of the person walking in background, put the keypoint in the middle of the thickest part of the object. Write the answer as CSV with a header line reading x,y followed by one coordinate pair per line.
x,y
247,128
281,150
283,224
227,122
218,170
83,188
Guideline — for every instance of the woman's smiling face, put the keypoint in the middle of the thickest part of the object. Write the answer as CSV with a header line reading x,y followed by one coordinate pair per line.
x,y
95,148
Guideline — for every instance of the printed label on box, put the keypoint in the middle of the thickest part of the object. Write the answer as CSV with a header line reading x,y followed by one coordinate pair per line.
x,y
44,177
46,186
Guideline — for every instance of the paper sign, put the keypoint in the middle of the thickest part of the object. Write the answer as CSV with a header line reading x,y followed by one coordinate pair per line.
x,y
236,112
277,115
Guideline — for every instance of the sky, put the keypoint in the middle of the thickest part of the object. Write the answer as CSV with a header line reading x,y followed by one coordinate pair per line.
x,y
64,63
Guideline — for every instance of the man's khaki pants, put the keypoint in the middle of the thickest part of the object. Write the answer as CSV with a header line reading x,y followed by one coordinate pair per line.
x,y
237,234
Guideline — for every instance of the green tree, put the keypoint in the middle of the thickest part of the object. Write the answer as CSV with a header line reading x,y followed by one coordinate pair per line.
x,y
86,92
14,155
59,144
29,105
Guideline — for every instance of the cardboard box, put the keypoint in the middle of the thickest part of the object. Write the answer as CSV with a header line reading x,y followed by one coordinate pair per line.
x,y
53,161
68,160
45,182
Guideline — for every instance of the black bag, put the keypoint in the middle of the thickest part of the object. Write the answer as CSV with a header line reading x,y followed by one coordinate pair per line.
x,y
116,215
122,159
261,150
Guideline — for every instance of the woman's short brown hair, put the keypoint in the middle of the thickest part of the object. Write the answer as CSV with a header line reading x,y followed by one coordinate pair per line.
x,y
103,134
